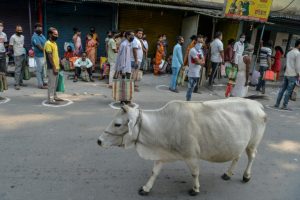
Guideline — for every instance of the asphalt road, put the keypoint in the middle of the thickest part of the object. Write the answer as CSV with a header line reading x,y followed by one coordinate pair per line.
x,y
51,153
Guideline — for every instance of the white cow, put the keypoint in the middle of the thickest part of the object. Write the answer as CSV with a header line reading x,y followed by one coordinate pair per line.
x,y
215,131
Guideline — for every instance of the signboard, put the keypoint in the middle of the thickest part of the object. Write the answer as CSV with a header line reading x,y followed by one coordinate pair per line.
x,y
252,10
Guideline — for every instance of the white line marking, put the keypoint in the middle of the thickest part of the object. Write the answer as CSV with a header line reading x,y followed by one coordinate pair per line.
x,y
277,109
160,86
112,105
5,101
44,103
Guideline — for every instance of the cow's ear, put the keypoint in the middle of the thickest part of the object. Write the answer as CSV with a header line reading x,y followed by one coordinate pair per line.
x,y
125,108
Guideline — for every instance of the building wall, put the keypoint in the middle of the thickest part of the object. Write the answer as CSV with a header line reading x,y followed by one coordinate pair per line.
x,y
281,40
154,22
18,13
65,16
229,28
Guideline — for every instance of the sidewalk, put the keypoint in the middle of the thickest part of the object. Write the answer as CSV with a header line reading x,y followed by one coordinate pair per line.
x,y
152,89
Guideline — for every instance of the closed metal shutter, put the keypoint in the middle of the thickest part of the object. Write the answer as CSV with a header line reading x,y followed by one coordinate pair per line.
x,y
65,16
16,12
154,21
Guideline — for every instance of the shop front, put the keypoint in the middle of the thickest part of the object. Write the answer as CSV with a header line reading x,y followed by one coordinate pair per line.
x,y
67,15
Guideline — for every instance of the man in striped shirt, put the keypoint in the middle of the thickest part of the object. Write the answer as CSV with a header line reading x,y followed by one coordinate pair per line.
x,y
265,64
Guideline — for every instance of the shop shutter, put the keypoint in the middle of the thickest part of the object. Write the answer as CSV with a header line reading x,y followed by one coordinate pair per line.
x,y
65,16
13,13
154,21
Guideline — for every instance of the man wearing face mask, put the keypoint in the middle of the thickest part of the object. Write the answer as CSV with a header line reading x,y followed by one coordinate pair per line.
x,y
177,63
3,42
38,41
238,49
196,59
16,42
123,61
53,65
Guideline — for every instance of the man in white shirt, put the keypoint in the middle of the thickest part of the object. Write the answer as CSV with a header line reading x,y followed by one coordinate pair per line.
x,y
136,56
83,63
238,49
16,43
216,55
292,73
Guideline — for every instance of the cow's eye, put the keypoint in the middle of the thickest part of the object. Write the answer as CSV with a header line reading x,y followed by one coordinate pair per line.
x,y
118,125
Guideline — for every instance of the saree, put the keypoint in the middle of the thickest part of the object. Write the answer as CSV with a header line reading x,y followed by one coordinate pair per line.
x,y
90,51
158,57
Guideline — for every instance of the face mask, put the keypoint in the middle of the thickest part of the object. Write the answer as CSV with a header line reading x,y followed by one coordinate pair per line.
x,y
38,32
198,46
131,39
54,38
19,33
242,39
1,28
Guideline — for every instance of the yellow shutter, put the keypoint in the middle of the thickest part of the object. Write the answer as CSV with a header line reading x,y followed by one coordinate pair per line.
x,y
154,21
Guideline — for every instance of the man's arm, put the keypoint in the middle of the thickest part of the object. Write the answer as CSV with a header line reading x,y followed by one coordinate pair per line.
x,y
90,64
247,61
77,63
11,44
269,58
114,47
135,54
222,56
221,50
37,44
298,66
198,60
179,53
234,52
50,58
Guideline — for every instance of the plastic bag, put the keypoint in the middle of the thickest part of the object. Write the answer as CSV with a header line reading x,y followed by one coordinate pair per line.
x,y
60,82
27,74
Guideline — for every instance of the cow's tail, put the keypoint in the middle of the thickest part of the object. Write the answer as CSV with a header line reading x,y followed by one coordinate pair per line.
x,y
257,97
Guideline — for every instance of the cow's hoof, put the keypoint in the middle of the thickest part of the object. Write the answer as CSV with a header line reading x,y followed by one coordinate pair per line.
x,y
192,192
225,177
142,192
245,179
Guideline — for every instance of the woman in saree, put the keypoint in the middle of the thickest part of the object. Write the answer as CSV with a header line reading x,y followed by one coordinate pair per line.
x,y
276,67
160,54
91,46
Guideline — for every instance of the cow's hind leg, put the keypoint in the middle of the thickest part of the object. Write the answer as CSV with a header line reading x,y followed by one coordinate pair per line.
x,y
193,165
226,176
155,172
251,152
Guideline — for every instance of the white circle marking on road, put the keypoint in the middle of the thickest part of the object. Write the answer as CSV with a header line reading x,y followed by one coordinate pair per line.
x,y
112,105
44,103
5,101
160,86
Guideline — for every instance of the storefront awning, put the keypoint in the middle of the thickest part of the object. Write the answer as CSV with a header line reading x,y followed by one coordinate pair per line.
x,y
158,5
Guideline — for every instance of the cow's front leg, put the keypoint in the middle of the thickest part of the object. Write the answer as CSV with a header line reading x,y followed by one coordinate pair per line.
x,y
193,165
155,172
